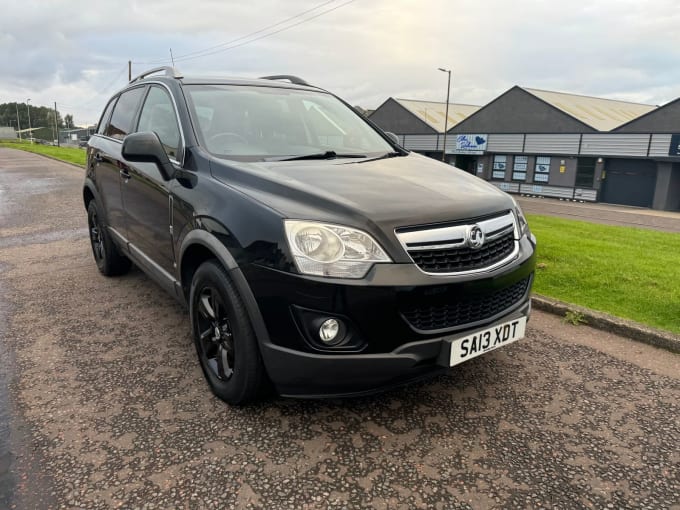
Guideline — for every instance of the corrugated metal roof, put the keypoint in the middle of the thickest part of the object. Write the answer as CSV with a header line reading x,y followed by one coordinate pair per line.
x,y
601,114
433,113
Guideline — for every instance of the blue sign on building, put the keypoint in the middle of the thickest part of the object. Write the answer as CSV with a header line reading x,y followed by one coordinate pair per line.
x,y
471,144
675,145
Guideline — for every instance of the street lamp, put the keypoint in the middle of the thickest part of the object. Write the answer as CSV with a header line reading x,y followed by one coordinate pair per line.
x,y
446,118
18,122
30,131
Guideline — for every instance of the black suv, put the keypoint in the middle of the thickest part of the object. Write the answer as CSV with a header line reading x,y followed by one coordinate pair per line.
x,y
313,252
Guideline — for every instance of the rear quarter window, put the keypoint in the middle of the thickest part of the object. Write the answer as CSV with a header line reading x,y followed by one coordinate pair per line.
x,y
104,121
124,113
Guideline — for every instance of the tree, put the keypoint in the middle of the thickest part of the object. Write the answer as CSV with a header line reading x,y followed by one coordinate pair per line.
x,y
68,121
41,117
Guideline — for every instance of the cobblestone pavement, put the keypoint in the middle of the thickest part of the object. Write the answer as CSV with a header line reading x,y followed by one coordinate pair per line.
x,y
108,408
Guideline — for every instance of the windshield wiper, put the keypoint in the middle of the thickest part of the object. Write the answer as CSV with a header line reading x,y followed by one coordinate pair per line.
x,y
385,156
320,155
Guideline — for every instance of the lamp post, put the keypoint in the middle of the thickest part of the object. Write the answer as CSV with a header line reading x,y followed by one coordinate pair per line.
x,y
446,117
18,122
30,131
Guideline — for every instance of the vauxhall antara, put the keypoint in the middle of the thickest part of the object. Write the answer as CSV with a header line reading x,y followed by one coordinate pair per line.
x,y
314,253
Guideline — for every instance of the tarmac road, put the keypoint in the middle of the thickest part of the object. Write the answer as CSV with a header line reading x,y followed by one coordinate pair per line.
x,y
107,406
608,214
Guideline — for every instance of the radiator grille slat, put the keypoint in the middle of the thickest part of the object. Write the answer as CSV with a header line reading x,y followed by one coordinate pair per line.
x,y
451,260
447,248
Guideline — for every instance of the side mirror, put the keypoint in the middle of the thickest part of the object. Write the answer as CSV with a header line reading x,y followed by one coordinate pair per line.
x,y
147,147
392,137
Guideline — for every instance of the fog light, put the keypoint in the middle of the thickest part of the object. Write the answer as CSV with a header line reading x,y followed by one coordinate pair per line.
x,y
329,330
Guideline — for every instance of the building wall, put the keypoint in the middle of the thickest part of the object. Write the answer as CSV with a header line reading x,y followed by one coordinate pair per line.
x,y
517,111
662,120
667,191
7,133
391,116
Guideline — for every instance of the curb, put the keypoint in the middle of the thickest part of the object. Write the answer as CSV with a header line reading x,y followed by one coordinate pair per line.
x,y
605,322
82,167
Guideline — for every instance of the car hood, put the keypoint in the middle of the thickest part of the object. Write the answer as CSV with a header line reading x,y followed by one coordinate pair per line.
x,y
391,192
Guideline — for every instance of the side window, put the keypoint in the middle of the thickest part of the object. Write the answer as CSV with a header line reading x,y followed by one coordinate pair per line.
x,y
123,113
104,121
158,116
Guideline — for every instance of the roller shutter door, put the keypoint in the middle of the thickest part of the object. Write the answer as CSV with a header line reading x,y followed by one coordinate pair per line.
x,y
629,182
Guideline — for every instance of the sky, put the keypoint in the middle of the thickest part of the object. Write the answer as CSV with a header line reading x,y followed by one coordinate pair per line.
x,y
76,52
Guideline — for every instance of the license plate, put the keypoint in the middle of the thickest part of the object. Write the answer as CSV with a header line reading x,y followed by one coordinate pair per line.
x,y
486,340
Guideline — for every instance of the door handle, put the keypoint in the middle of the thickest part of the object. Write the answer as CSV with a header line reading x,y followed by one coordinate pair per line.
x,y
125,174
98,157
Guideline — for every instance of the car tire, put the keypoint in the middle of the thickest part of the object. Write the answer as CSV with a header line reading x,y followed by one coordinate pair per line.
x,y
110,261
223,335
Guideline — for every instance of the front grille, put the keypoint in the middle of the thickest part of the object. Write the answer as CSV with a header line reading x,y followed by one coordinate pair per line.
x,y
447,248
447,313
454,260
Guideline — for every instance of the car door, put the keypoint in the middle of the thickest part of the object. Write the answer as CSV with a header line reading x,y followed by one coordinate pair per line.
x,y
146,195
106,157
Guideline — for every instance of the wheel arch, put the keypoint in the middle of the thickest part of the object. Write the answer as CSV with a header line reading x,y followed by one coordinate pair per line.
x,y
90,193
199,246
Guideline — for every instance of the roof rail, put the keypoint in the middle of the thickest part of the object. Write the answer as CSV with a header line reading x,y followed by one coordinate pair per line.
x,y
293,79
170,72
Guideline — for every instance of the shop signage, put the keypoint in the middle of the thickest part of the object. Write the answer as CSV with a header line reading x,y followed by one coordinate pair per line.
x,y
675,145
470,144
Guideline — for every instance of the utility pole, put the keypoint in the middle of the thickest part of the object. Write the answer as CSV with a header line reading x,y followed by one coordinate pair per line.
x,y
56,124
18,123
30,129
129,70
446,118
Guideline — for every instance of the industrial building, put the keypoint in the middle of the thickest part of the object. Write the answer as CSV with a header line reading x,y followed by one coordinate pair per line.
x,y
553,144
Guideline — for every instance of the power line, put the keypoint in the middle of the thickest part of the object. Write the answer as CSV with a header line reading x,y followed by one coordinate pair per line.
x,y
191,53
229,45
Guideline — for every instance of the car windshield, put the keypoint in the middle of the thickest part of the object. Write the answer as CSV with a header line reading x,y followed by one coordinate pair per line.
x,y
251,123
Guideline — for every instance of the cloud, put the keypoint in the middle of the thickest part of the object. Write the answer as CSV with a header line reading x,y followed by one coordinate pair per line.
x,y
76,52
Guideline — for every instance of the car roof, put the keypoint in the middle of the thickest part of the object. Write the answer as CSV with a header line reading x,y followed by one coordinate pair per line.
x,y
171,74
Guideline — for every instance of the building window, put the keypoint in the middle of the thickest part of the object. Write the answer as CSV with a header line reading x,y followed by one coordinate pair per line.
x,y
499,165
585,172
519,168
542,172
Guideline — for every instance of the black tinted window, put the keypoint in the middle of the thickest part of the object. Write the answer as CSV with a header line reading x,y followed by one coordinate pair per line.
x,y
158,116
104,121
123,113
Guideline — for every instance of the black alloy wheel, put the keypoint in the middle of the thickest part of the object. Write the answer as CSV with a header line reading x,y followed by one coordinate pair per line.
x,y
96,238
109,260
223,335
216,338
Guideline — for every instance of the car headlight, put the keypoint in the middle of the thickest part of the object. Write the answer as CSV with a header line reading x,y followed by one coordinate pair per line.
x,y
323,249
521,220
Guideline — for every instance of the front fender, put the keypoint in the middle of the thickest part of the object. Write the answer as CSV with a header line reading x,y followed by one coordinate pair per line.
x,y
209,241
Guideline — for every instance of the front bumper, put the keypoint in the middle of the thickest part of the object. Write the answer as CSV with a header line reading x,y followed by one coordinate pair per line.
x,y
390,347
312,375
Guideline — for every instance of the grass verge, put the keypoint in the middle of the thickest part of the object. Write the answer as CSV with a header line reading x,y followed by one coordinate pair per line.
x,y
68,154
627,272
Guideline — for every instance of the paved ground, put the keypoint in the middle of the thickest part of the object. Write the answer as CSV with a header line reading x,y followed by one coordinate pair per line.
x,y
668,221
107,406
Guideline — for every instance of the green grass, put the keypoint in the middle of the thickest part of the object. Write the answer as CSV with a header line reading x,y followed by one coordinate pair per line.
x,y
627,272
68,154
